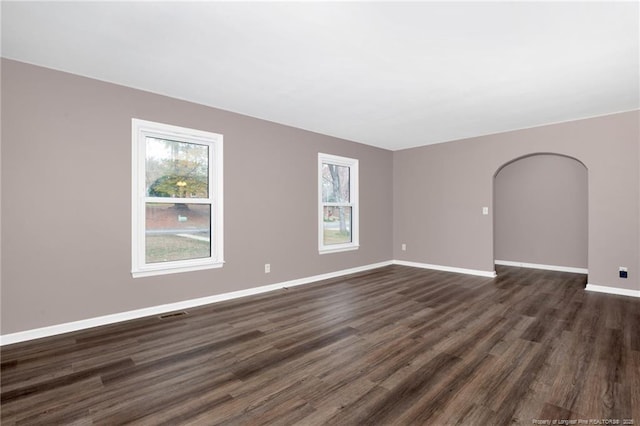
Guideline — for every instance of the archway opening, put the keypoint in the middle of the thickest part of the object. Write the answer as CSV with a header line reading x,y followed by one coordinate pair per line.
x,y
541,213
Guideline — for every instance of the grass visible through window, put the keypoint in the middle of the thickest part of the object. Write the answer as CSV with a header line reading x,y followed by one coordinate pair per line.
x,y
165,248
335,236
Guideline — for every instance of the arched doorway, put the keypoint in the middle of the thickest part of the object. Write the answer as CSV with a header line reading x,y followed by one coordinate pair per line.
x,y
541,213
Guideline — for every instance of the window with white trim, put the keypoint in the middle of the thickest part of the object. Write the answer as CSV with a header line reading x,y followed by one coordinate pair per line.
x,y
176,199
337,203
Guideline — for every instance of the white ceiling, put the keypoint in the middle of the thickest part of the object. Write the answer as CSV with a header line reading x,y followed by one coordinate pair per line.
x,y
393,75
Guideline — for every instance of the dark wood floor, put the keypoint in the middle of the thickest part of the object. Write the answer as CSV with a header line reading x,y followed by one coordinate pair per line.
x,y
396,345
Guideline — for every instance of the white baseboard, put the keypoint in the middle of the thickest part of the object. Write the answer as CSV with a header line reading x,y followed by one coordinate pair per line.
x,y
53,330
613,290
541,266
489,274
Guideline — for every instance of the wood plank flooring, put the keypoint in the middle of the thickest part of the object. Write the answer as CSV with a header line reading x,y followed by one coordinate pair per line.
x,y
396,345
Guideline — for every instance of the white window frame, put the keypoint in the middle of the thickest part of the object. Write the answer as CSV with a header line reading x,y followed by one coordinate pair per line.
x,y
353,203
142,129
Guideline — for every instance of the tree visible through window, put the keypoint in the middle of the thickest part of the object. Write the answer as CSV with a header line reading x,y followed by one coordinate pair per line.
x,y
177,219
338,203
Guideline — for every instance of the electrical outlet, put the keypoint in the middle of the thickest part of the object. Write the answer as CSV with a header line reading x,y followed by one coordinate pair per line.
x,y
623,272
485,211
404,247
267,268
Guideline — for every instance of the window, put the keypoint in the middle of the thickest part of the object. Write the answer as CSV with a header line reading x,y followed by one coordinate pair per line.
x,y
338,204
176,199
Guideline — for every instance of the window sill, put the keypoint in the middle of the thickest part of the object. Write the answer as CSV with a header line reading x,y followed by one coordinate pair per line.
x,y
174,270
338,249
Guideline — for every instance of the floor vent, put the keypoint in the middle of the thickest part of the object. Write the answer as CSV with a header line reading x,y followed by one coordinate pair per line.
x,y
173,314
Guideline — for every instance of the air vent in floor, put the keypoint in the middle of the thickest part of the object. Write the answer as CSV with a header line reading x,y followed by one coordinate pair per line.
x,y
172,314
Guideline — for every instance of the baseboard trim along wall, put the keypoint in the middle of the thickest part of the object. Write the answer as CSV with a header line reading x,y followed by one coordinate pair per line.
x,y
53,330
68,327
613,290
541,266
480,273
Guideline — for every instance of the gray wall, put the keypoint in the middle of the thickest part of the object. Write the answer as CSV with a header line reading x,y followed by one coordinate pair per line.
x,y
439,192
66,220
66,200
540,211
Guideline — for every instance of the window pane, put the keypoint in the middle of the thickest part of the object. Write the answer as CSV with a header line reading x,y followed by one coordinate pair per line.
x,y
176,169
335,183
177,232
337,225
